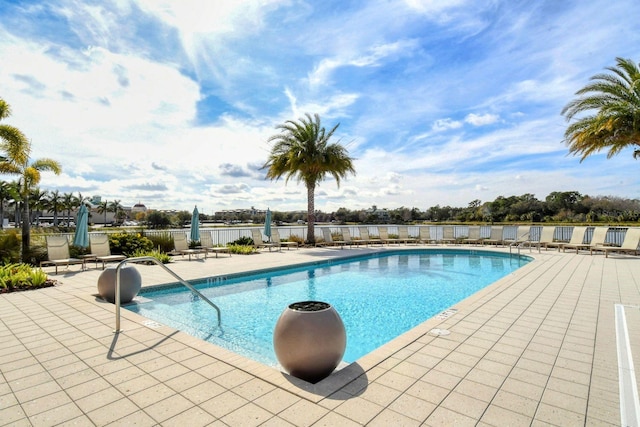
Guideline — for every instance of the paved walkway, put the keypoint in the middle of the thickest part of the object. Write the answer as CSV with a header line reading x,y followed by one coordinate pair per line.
x,y
537,348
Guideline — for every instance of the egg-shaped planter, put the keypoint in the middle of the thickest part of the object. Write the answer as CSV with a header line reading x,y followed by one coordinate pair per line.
x,y
309,340
130,283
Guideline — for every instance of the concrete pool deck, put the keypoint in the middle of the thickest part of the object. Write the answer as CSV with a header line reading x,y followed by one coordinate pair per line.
x,y
538,347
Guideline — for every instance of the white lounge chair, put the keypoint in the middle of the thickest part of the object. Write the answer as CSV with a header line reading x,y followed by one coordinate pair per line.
x,y
182,247
328,239
58,253
577,238
597,239
403,235
384,236
473,235
424,235
495,236
546,239
99,244
629,244
275,236
366,238
258,243
206,243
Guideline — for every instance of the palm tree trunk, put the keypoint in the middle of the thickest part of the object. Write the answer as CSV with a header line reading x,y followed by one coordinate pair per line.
x,y
26,231
311,213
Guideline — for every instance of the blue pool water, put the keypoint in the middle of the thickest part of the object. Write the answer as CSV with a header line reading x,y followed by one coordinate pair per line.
x,y
378,297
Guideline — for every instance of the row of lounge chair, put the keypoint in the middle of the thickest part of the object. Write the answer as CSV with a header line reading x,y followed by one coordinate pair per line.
x,y
58,252
522,238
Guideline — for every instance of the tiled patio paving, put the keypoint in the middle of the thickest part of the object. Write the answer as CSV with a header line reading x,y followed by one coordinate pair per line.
x,y
536,348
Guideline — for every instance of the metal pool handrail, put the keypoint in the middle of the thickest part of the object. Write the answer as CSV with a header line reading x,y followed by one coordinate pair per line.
x,y
157,262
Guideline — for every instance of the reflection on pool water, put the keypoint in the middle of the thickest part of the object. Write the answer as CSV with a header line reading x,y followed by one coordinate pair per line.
x,y
379,297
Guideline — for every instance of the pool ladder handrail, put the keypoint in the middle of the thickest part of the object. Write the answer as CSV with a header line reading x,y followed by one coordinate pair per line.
x,y
168,270
520,243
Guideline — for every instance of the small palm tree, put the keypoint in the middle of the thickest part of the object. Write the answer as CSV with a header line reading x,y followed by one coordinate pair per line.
x,y
615,98
103,208
69,202
54,204
117,209
5,196
37,199
16,149
302,150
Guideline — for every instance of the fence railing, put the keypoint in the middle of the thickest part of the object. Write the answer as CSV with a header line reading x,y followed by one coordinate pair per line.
x,y
224,235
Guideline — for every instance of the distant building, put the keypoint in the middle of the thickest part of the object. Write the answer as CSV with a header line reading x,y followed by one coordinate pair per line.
x,y
138,207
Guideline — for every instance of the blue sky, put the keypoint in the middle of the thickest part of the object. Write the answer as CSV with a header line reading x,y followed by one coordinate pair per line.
x,y
171,103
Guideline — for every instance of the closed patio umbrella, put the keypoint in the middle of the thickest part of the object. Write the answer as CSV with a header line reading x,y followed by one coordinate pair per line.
x,y
267,224
81,237
195,225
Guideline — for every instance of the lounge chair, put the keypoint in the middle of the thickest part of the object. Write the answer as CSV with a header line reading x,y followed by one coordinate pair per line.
x,y
577,238
275,236
597,239
629,244
328,239
99,244
384,236
206,243
448,234
403,235
474,235
346,237
546,238
424,235
258,243
366,238
182,247
495,236
58,253
523,237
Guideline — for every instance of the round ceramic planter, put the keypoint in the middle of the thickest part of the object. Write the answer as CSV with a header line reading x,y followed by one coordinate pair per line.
x,y
130,284
309,340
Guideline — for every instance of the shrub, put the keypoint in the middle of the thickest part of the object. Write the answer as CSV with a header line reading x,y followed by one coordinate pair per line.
x,y
295,238
19,276
243,241
128,243
9,247
162,242
241,249
160,256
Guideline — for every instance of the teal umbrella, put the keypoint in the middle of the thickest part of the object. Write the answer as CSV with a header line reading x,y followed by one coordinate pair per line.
x,y
81,237
267,224
195,225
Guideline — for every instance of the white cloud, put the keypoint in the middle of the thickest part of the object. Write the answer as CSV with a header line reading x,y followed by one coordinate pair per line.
x,y
481,120
441,125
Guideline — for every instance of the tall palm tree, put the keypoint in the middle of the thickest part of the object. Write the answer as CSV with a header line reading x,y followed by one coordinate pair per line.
x,y
615,125
302,150
16,150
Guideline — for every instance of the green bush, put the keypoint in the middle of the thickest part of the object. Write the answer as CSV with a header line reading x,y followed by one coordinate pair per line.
x,y
241,249
160,256
9,247
243,241
162,242
19,276
128,243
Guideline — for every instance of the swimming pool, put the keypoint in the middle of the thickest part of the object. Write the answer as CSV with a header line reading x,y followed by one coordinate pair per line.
x,y
379,297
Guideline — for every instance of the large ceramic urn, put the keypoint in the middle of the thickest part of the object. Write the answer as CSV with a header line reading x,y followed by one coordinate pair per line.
x,y
309,340
130,283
